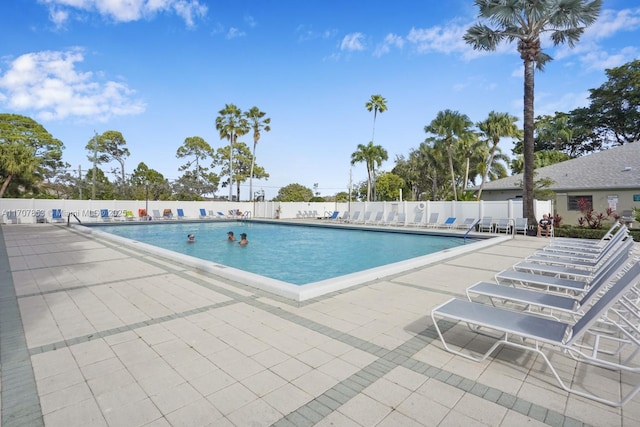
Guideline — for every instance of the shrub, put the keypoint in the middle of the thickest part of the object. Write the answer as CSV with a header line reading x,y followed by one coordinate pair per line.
x,y
591,218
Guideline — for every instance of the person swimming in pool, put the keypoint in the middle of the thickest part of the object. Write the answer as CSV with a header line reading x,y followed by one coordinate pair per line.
x,y
231,237
191,238
243,239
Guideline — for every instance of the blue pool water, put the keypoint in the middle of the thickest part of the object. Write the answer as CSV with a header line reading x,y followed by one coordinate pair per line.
x,y
290,253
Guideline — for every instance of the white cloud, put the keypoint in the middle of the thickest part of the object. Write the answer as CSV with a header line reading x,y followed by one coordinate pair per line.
x,y
48,84
125,10
306,33
234,33
390,41
609,23
352,42
250,21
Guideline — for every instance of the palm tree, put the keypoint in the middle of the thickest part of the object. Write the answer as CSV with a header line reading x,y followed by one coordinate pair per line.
x,y
450,126
525,21
379,105
494,127
231,124
372,155
255,118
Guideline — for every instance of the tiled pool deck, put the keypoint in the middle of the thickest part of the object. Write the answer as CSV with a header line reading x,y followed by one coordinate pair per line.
x,y
96,335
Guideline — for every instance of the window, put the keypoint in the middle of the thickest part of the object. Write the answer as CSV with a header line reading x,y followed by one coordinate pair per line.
x,y
573,202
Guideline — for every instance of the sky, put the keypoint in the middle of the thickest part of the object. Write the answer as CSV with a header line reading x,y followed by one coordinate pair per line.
x,y
159,71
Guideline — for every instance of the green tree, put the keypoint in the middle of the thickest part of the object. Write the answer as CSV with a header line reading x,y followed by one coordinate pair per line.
x,y
231,124
495,127
28,153
107,147
388,186
525,21
294,193
377,104
104,189
146,182
614,107
542,159
372,156
257,123
242,163
197,178
450,126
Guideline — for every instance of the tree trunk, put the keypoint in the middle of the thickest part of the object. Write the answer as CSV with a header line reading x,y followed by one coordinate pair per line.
x,y
484,175
528,143
5,184
453,177
253,161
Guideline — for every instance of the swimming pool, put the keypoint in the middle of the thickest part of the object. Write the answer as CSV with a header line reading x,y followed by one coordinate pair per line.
x,y
282,258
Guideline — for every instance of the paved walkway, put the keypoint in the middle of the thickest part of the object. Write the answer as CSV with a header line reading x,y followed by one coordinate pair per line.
x,y
92,334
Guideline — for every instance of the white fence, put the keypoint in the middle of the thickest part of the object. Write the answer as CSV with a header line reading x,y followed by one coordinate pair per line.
x,y
28,211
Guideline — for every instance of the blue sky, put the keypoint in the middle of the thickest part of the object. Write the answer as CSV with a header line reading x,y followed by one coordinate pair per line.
x,y
160,70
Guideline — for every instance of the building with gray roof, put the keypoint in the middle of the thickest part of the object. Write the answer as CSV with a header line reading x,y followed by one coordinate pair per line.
x,y
609,178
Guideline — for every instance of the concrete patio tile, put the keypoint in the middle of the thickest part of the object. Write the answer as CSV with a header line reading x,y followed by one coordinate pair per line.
x,y
263,382
65,397
287,398
101,368
386,392
479,409
365,410
513,418
126,395
81,414
270,357
406,378
60,381
257,413
91,352
176,397
441,393
315,357
231,398
423,410
593,413
395,419
212,382
291,369
194,368
197,413
314,382
548,397
337,419
338,369
137,414
110,381
456,419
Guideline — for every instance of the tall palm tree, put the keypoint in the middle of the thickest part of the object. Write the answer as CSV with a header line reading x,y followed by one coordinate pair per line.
x,y
450,126
377,104
372,156
231,124
525,21
495,127
257,124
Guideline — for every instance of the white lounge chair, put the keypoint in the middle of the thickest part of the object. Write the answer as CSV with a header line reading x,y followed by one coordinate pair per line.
x,y
521,226
547,303
486,224
433,220
417,219
390,218
378,218
503,225
448,223
530,333
466,224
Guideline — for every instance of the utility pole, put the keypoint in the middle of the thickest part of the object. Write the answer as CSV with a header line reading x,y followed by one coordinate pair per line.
x,y
80,181
95,159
